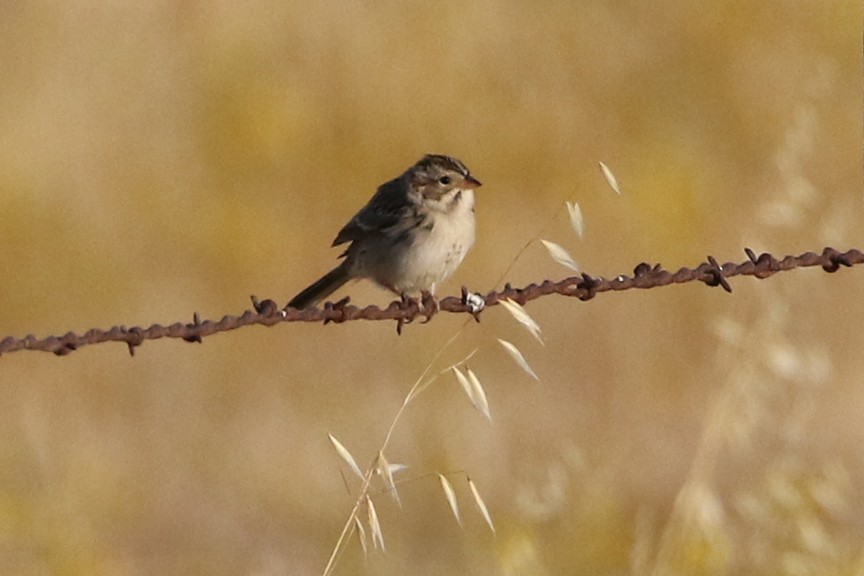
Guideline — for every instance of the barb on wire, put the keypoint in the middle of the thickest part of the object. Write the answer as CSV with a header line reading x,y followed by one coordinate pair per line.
x,y
583,287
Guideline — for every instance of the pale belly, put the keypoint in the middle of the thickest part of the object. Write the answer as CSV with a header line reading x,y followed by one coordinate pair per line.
x,y
431,257
433,260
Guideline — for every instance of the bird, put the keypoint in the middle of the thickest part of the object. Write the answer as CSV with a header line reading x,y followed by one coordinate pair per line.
x,y
410,236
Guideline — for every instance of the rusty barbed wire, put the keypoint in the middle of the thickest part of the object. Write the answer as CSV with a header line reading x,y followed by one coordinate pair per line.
x,y
583,287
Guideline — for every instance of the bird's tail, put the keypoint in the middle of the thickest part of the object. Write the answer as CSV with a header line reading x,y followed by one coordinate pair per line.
x,y
328,284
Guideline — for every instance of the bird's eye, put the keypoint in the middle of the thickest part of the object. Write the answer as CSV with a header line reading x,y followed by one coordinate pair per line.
x,y
445,180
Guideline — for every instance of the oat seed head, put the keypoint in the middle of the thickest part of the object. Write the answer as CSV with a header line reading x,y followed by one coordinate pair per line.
x,y
481,505
374,524
346,456
518,358
576,220
521,316
482,401
610,178
451,497
560,255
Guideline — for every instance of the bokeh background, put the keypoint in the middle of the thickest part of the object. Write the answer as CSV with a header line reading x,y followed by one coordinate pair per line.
x,y
161,158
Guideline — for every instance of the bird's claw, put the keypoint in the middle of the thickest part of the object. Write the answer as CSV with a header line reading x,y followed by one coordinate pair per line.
x,y
407,303
430,305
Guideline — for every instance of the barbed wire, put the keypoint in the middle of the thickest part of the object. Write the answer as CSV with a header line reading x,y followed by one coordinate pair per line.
x,y
584,287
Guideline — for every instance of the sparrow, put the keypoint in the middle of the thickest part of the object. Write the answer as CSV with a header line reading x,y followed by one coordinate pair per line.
x,y
412,234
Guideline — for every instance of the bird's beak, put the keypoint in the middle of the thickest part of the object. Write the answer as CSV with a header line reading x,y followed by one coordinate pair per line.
x,y
470,183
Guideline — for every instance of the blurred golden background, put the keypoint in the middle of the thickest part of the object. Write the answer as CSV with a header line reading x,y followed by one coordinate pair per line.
x,y
163,158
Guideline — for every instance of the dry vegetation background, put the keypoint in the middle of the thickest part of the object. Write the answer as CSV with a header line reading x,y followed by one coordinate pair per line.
x,y
161,158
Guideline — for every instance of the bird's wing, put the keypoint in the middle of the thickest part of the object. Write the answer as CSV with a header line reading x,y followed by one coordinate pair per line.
x,y
389,212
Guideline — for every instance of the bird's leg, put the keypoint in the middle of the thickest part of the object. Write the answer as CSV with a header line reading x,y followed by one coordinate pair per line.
x,y
409,302
430,304
410,305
